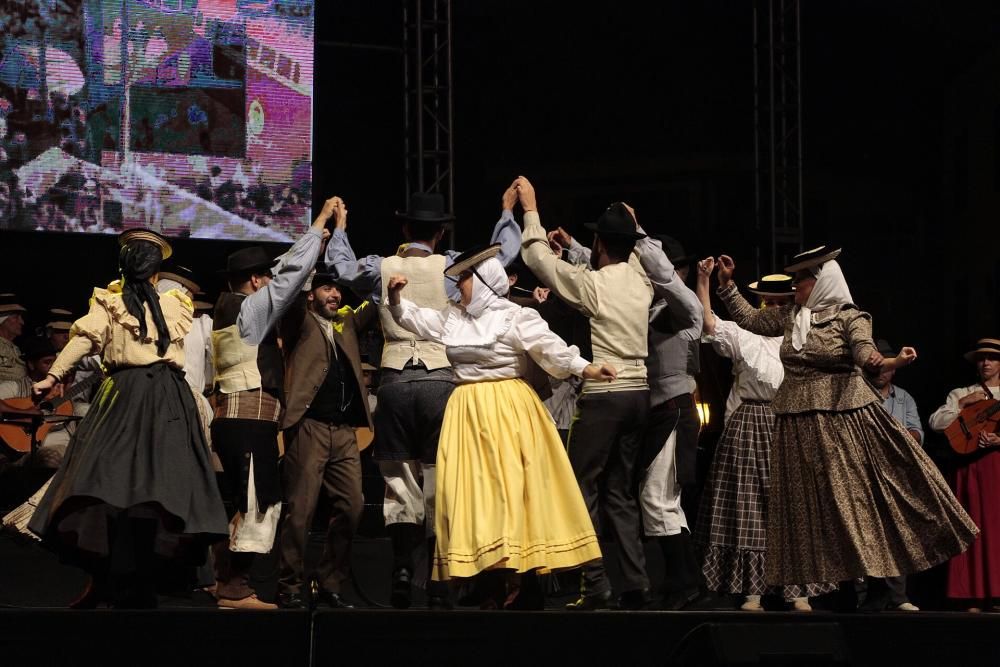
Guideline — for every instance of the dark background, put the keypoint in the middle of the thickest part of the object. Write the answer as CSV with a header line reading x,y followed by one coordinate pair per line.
x,y
653,103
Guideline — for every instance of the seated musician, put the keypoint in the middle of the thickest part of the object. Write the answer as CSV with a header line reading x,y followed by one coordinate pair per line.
x,y
974,576
38,356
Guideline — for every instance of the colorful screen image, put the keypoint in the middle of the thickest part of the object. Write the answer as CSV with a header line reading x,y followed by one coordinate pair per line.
x,y
190,117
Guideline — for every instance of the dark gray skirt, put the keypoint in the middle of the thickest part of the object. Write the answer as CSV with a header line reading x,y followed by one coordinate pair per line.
x,y
139,451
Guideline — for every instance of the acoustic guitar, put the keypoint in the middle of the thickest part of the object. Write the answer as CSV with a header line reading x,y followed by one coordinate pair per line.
x,y
981,417
17,436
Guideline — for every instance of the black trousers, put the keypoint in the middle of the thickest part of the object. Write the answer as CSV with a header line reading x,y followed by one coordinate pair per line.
x,y
604,445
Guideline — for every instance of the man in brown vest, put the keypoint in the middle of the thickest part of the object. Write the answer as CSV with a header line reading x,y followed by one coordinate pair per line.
x,y
325,399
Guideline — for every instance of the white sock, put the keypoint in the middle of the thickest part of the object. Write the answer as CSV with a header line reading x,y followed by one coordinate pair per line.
x,y
753,598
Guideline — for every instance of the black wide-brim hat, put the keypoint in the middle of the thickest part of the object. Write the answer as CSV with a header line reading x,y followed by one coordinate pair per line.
x,y
180,274
674,251
248,259
775,284
149,236
321,275
885,349
615,222
812,258
471,258
426,207
984,345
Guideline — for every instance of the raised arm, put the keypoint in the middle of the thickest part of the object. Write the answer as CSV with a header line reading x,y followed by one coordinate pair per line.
x,y
571,283
705,268
767,322
261,310
363,276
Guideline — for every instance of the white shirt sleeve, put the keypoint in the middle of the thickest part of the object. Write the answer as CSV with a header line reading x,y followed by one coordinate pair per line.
x,y
728,340
530,333
947,413
426,323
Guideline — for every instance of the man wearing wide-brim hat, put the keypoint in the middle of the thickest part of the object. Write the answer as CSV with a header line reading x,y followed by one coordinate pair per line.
x,y
11,326
605,438
249,379
325,401
416,376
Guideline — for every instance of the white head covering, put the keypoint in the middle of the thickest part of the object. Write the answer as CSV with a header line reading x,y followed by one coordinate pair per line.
x,y
487,316
488,280
830,290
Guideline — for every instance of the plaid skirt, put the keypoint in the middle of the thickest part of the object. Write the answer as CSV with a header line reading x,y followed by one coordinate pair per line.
x,y
732,527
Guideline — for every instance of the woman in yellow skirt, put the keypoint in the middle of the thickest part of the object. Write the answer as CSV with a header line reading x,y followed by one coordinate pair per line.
x,y
507,498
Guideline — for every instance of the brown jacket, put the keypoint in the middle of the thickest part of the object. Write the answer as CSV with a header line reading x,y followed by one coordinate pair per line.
x,y
307,354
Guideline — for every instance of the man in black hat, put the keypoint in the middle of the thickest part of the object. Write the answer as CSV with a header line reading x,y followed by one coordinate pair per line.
x,y
325,400
416,378
605,437
249,376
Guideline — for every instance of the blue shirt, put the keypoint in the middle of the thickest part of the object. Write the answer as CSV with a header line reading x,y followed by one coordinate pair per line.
x,y
901,405
364,275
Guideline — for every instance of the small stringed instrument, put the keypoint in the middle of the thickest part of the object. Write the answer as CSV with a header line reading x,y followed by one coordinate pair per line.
x,y
17,436
981,417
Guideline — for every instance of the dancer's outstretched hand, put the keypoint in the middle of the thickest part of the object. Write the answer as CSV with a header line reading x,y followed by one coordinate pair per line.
x,y
906,356
396,285
526,193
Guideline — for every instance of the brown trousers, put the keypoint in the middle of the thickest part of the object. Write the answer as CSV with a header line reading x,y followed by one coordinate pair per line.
x,y
319,457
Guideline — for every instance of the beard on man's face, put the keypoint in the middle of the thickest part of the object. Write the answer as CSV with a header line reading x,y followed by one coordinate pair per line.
x,y
326,307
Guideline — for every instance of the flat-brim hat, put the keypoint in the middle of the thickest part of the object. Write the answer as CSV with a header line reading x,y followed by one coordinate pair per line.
x,y
9,305
149,236
60,319
203,306
426,207
471,258
775,284
811,258
984,345
615,222
322,275
244,260
181,274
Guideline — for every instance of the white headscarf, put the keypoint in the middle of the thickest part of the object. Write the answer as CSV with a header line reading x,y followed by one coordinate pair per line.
x,y
830,290
487,316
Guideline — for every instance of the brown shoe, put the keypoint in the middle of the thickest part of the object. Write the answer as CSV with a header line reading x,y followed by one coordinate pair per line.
x,y
251,602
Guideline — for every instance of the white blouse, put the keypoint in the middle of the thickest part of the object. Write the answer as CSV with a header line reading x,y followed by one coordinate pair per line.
x,y
947,413
756,362
522,331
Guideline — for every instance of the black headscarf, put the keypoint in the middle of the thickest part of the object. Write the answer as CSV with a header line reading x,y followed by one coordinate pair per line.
x,y
138,261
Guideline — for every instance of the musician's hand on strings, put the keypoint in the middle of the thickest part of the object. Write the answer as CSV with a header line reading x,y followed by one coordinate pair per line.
x,y
604,372
969,399
989,439
42,387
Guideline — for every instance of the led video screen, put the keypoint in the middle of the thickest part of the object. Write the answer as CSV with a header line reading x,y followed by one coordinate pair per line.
x,y
190,117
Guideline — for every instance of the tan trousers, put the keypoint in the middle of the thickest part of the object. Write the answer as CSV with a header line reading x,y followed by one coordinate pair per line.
x,y
319,457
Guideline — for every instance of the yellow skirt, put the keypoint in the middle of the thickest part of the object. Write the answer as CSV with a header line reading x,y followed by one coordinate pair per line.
x,y
506,494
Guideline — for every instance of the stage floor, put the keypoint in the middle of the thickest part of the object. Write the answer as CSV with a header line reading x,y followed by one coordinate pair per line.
x,y
36,629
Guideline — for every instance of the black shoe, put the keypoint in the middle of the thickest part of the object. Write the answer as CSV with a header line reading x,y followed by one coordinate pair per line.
x,y
590,602
332,600
402,593
439,603
292,601
680,599
635,600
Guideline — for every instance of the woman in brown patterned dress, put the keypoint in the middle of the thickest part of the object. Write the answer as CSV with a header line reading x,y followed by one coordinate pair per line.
x,y
852,494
